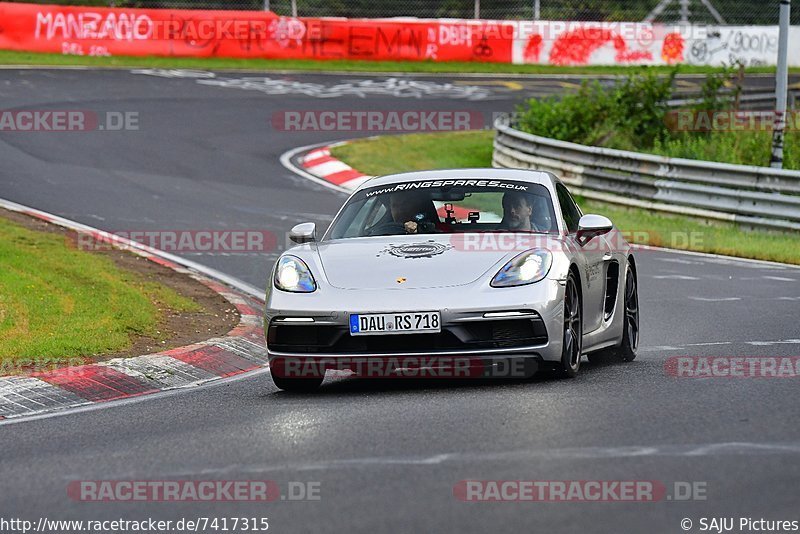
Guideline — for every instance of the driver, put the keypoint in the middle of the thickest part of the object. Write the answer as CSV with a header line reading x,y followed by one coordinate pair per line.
x,y
407,207
517,211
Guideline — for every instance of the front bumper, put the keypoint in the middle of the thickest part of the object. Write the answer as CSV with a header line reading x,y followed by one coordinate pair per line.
x,y
316,325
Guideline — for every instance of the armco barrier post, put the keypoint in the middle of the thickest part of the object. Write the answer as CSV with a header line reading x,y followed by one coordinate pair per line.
x,y
781,87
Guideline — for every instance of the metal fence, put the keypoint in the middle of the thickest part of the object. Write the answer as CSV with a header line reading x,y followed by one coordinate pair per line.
x,y
758,197
696,11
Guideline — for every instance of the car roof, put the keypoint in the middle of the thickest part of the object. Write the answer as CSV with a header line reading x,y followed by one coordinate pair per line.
x,y
536,177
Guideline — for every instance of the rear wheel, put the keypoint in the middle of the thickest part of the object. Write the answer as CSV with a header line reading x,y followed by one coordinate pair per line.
x,y
630,333
572,347
626,350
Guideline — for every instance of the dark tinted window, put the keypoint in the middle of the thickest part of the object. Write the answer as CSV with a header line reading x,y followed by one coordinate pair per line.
x,y
571,213
447,206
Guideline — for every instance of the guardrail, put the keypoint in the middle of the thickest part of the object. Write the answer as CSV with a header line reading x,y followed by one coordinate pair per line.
x,y
759,100
759,197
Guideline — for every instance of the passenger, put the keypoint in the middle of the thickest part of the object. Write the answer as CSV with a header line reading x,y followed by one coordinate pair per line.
x,y
517,212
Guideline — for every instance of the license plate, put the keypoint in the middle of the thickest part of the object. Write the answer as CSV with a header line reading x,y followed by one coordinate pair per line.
x,y
395,323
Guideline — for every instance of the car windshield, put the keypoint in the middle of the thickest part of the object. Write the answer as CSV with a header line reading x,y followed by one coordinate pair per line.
x,y
446,206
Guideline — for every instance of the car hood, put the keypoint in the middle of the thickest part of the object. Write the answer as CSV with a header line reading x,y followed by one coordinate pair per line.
x,y
405,262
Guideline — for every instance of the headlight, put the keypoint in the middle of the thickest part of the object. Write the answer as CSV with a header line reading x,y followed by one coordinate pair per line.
x,y
527,268
292,274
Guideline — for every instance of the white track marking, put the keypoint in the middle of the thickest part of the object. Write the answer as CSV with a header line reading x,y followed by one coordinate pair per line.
x,y
771,343
725,260
659,348
682,262
731,448
723,299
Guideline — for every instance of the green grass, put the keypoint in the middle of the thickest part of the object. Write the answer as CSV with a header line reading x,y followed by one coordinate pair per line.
x,y
741,148
635,116
390,154
652,228
58,303
398,153
8,57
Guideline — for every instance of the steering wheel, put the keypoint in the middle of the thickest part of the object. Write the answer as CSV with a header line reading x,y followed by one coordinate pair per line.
x,y
387,228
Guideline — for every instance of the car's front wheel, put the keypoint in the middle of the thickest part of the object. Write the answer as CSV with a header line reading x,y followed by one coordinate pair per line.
x,y
297,384
309,381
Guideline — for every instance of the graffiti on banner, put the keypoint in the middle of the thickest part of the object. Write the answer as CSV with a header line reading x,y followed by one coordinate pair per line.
x,y
81,30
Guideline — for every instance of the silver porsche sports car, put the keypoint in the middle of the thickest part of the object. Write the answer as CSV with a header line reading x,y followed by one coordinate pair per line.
x,y
462,267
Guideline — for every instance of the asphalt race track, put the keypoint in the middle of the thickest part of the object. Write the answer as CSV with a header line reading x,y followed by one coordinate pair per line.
x,y
387,454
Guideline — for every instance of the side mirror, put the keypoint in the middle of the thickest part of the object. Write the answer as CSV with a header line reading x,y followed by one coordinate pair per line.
x,y
591,226
303,233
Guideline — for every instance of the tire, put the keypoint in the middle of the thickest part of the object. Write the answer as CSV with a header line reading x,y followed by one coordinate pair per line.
x,y
630,330
572,348
305,383
626,350
297,384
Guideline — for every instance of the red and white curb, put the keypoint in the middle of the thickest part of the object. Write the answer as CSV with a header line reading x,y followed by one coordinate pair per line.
x,y
243,349
321,164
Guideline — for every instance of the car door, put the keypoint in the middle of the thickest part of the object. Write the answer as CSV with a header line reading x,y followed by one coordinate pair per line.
x,y
592,259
